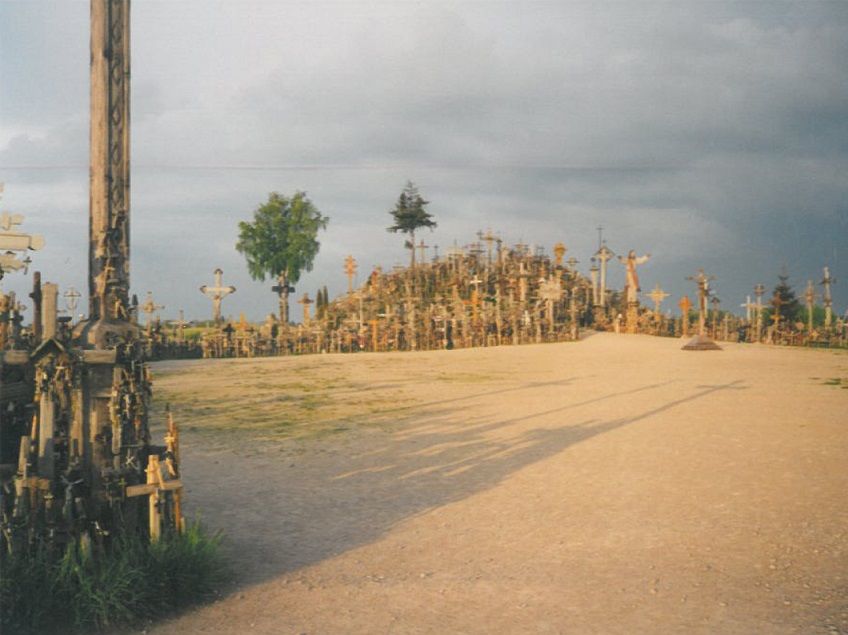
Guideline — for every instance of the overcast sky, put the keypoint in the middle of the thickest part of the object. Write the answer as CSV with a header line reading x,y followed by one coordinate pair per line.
x,y
709,134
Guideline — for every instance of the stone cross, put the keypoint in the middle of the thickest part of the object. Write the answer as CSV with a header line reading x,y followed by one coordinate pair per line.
x,y
150,307
305,301
810,297
559,253
217,293
72,297
350,271
827,297
657,295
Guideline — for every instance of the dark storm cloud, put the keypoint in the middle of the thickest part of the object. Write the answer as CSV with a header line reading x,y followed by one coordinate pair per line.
x,y
709,134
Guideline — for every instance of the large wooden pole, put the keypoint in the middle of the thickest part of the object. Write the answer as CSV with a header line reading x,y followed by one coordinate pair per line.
x,y
109,199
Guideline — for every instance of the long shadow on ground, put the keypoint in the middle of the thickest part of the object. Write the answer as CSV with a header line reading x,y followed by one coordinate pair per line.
x,y
340,499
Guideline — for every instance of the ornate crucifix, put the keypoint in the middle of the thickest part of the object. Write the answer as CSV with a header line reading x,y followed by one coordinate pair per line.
x,y
657,295
217,293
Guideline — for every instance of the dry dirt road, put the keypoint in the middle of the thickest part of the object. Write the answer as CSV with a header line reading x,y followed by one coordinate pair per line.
x,y
615,485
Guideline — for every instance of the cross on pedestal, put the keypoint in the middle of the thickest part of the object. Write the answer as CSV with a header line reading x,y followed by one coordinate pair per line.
x,y
657,295
350,271
217,293
703,281
150,307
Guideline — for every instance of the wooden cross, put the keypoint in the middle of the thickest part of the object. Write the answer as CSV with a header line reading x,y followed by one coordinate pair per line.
x,y
490,239
217,293
559,253
810,297
150,307
180,324
11,241
421,247
657,295
72,297
703,281
157,486
776,302
350,271
749,308
827,298
305,301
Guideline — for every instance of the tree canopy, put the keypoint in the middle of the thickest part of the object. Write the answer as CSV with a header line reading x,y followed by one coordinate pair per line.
x,y
410,214
282,239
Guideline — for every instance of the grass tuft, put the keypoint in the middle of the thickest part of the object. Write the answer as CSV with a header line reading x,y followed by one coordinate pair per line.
x,y
126,583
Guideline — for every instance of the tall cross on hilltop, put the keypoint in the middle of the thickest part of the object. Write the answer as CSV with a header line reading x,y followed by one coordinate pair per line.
x,y
217,293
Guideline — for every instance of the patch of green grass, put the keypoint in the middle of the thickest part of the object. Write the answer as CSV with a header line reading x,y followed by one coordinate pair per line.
x,y
122,584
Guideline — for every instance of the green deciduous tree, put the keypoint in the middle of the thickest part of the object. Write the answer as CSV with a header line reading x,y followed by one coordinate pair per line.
x,y
281,242
409,214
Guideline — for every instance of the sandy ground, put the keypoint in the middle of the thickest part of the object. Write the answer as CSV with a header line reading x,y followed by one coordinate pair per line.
x,y
615,485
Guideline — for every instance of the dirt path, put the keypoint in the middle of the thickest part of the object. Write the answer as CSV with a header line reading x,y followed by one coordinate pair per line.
x,y
616,485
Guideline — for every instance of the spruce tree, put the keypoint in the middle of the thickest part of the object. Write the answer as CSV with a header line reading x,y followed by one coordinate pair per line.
x,y
409,214
787,304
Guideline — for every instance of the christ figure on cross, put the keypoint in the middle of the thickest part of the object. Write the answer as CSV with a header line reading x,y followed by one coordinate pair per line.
x,y
631,262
